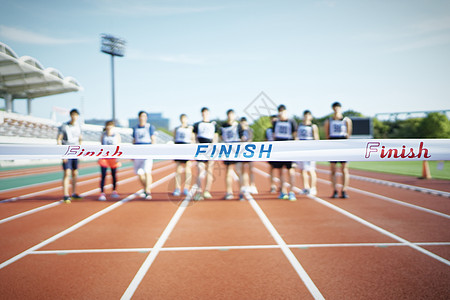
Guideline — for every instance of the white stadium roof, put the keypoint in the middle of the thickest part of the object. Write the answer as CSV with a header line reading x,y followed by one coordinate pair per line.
x,y
25,77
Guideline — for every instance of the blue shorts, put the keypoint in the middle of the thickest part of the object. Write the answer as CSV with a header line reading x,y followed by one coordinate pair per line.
x,y
71,164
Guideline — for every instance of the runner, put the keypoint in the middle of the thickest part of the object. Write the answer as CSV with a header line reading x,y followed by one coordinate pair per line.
x,y
247,177
230,132
183,135
109,137
338,127
269,138
206,131
308,131
285,129
144,134
70,134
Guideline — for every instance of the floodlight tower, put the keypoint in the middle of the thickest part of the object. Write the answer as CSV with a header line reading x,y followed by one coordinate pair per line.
x,y
115,47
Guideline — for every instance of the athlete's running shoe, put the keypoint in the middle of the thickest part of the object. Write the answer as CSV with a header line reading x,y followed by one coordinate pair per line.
x,y
198,196
273,189
306,191
335,194
115,195
283,196
253,190
102,197
186,191
148,196
344,195
292,196
76,196
313,191
66,199
229,196
176,192
241,197
207,195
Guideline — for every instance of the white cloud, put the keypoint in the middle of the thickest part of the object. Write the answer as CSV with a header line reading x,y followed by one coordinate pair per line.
x,y
29,37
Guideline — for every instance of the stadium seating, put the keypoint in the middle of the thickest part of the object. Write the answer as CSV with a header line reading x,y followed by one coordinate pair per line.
x,y
16,128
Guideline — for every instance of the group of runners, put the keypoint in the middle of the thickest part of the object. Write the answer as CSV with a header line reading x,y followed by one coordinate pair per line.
x,y
233,130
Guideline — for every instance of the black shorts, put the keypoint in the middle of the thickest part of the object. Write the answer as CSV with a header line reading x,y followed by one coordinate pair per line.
x,y
281,164
337,138
71,164
230,162
183,161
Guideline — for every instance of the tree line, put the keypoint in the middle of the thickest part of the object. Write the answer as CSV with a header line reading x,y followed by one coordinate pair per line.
x,y
434,125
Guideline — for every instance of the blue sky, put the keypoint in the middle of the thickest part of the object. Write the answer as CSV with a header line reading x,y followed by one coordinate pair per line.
x,y
372,56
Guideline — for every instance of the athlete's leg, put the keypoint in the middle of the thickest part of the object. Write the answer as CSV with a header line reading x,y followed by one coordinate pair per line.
x,y
305,177
188,174
209,175
345,176
102,180
200,174
178,170
66,182
114,178
74,181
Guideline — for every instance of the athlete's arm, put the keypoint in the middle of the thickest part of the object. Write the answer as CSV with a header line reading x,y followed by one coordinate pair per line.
x,y
59,138
327,128
349,127
315,132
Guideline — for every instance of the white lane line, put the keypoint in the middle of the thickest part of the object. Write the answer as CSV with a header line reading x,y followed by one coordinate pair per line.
x,y
156,249
29,212
80,178
380,230
375,227
37,209
381,197
394,184
287,252
417,207
155,171
79,224
93,191
89,251
225,248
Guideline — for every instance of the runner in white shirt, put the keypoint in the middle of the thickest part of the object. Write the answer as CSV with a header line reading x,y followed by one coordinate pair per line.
x,y
183,135
206,131
144,134
338,127
308,131
70,134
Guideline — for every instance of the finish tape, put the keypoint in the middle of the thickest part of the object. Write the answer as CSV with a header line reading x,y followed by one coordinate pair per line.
x,y
320,150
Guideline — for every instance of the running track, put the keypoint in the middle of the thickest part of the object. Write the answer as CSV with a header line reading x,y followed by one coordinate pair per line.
x,y
388,241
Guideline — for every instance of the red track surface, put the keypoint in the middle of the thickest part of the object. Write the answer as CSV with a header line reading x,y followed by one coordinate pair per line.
x,y
370,246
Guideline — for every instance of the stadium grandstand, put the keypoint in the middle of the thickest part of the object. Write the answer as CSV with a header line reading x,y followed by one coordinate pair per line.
x,y
25,78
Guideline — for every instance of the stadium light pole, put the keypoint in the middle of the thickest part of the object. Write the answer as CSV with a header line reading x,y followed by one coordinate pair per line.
x,y
115,47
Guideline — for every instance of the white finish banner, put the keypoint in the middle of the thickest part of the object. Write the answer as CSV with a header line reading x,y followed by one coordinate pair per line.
x,y
323,150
